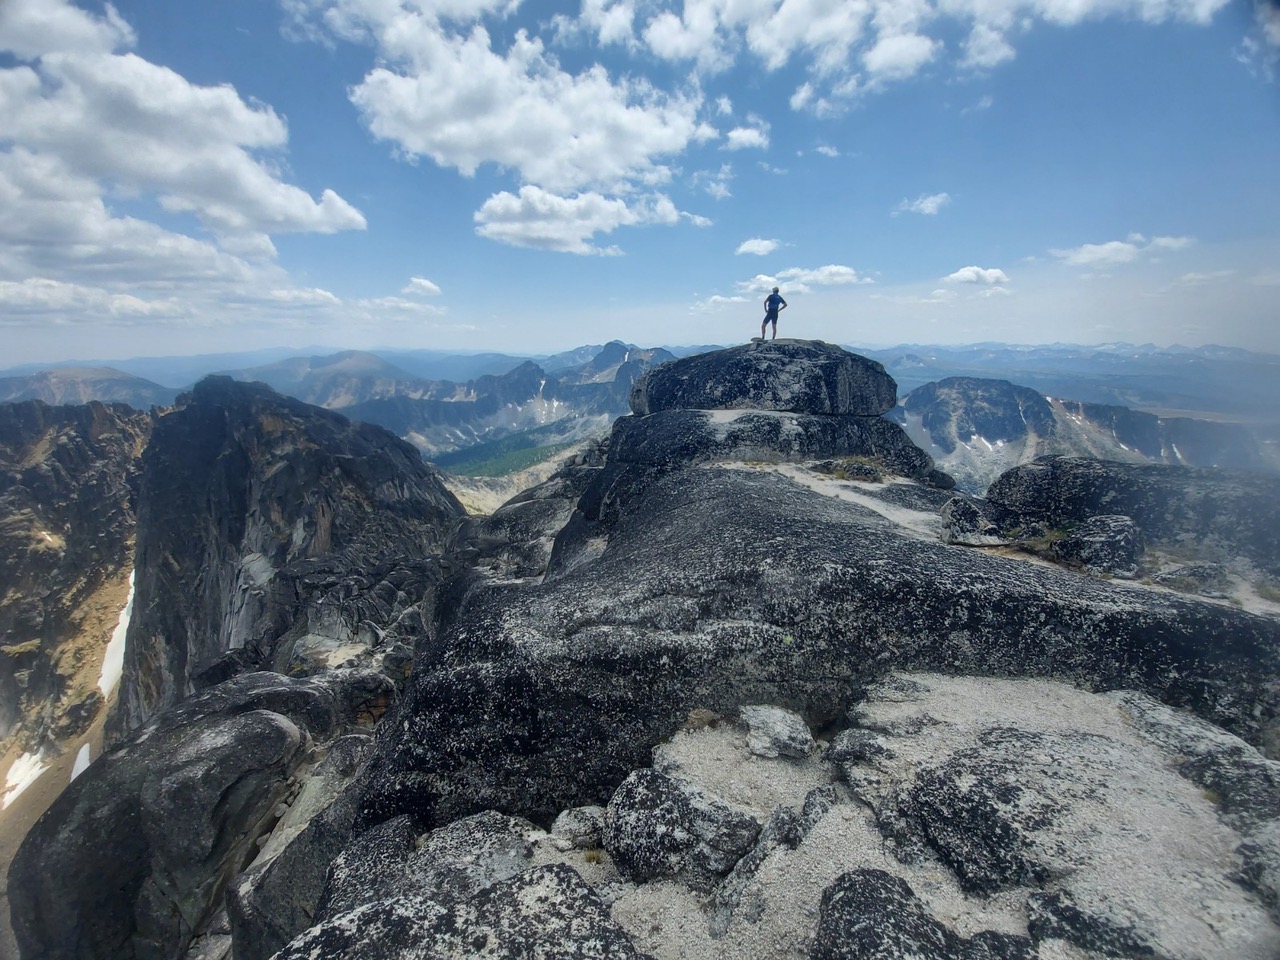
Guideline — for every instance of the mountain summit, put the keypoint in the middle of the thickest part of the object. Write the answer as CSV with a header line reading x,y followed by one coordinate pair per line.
x,y
717,688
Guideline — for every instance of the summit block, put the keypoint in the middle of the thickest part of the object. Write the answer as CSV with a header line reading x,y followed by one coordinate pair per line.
x,y
792,376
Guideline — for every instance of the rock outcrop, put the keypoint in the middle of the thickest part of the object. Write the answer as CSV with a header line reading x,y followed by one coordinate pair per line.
x,y
764,710
682,581
790,376
67,498
132,858
1213,513
272,534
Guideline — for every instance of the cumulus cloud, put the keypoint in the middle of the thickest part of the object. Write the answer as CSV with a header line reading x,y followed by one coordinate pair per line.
x,y
743,138
546,221
982,275
78,303
31,28
899,56
827,151
54,222
81,118
929,205
457,101
803,279
422,287
986,47
757,245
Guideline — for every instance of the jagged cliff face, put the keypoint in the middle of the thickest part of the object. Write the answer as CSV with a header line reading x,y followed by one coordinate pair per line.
x,y
977,428
718,688
269,532
67,498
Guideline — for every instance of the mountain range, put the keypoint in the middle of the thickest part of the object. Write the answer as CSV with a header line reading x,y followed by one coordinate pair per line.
x,y
747,677
978,409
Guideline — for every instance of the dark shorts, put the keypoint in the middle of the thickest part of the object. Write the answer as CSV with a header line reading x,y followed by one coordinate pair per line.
x,y
772,315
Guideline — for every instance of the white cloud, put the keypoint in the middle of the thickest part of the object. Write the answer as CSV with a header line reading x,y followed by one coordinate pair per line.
x,y
715,183
929,205
986,47
54,222
144,128
983,275
899,56
422,287
827,151
78,303
758,246
717,302
831,275
612,22
304,297
724,106
802,279
1090,254
1118,251
802,97
1195,279
454,99
31,28
546,221
743,138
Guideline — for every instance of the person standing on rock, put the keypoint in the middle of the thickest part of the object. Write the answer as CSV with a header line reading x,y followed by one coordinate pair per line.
x,y
773,303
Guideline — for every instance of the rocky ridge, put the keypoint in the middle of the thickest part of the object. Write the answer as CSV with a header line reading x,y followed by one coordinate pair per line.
x,y
977,428
272,535
719,688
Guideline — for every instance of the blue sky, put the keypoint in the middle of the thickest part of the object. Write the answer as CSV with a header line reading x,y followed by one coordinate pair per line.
x,y
496,175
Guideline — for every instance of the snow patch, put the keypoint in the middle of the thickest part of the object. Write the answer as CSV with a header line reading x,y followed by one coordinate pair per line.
x,y
83,759
113,661
25,771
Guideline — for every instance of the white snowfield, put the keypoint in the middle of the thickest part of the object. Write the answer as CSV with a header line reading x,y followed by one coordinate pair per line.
x,y
113,662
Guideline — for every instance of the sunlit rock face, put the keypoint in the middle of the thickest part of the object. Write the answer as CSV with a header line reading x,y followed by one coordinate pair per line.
x,y
68,478
269,532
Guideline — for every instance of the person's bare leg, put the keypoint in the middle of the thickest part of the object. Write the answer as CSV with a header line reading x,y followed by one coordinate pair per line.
x,y
763,324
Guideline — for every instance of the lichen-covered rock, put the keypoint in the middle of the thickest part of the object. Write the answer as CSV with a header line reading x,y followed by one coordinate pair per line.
x,y
1216,512
581,828
658,827
723,587
796,376
544,912
775,732
1103,544
368,867
873,915
1095,808
964,522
